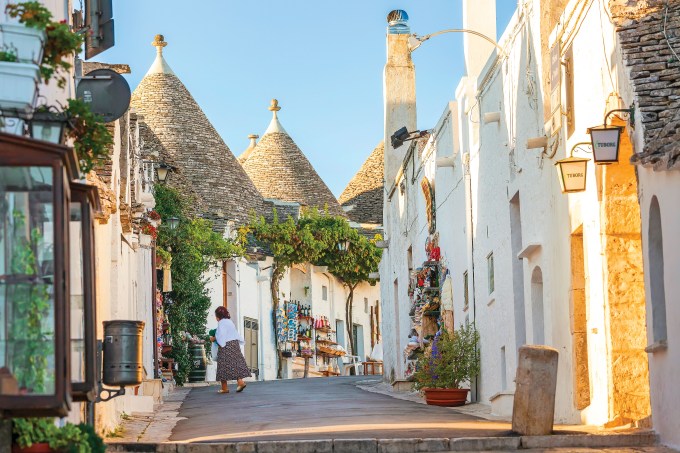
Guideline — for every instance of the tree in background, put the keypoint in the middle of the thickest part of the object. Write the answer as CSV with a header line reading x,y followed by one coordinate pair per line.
x,y
195,248
314,239
351,266
289,242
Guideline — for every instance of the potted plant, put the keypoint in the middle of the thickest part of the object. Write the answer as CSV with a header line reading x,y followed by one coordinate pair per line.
x,y
60,42
451,361
41,435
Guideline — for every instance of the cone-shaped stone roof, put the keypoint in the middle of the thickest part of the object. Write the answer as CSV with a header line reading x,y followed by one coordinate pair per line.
x,y
281,171
175,124
362,199
251,146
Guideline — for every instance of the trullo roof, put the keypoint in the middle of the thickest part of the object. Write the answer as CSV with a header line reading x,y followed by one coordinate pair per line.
x,y
362,199
281,171
175,124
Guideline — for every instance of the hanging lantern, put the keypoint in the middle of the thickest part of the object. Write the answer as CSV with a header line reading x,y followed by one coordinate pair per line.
x,y
572,174
84,200
605,141
34,277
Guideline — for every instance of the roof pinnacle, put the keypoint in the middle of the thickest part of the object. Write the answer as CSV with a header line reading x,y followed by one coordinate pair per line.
x,y
159,43
274,107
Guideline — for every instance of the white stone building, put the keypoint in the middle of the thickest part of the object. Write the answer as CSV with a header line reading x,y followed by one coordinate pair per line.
x,y
529,264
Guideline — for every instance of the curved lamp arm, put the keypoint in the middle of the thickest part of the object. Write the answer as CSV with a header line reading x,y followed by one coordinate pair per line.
x,y
415,41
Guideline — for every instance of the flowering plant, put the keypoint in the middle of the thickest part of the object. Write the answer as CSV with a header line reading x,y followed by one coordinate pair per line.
x,y
61,42
153,215
451,360
150,230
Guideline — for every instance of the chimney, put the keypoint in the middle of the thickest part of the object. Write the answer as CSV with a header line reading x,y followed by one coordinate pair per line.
x,y
253,140
480,16
399,88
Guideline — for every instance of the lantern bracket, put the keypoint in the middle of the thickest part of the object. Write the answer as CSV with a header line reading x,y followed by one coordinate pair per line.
x,y
110,394
579,145
630,111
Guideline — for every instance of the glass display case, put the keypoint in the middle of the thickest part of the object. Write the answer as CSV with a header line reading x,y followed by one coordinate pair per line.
x,y
84,202
34,276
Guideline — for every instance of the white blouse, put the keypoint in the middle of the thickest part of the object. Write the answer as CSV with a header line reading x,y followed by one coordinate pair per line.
x,y
226,331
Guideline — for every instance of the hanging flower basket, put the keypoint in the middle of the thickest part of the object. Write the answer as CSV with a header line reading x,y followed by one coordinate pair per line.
x,y
26,42
19,87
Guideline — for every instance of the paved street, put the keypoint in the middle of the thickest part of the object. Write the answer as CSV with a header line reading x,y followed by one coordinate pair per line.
x,y
316,409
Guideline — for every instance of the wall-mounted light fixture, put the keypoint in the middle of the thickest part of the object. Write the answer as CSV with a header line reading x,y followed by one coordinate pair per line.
x,y
343,245
537,142
492,117
447,161
49,125
572,170
162,171
403,135
173,223
605,139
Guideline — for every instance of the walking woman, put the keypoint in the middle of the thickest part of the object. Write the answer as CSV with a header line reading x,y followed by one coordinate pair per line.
x,y
231,365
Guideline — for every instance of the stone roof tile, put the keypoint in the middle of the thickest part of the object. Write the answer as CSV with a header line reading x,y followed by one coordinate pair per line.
x,y
175,124
280,171
363,197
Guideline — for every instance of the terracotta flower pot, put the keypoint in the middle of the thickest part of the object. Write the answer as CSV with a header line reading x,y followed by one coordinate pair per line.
x,y
445,397
42,447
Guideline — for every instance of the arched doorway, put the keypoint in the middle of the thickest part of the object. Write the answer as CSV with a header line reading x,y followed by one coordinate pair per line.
x,y
537,320
656,276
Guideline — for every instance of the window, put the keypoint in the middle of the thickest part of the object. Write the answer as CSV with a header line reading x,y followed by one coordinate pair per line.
x,y
489,264
409,258
465,290
324,292
365,304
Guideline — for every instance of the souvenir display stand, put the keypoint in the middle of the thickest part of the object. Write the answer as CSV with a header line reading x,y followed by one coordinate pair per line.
x,y
425,312
301,334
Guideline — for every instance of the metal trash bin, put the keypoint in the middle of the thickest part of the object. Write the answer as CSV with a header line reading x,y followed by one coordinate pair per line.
x,y
198,357
123,353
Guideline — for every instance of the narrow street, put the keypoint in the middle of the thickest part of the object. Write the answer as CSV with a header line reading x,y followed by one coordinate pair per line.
x,y
342,414
317,409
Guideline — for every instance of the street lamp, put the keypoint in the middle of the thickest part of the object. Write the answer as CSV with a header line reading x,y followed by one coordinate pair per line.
x,y
403,135
162,171
572,171
173,223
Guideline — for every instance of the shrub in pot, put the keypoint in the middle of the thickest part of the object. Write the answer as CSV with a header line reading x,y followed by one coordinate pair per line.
x,y
451,361
41,435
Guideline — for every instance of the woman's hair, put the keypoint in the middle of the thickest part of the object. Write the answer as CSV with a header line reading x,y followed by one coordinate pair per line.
x,y
222,313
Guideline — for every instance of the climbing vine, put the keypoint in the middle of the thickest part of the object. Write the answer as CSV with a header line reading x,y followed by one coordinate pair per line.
x,y
195,247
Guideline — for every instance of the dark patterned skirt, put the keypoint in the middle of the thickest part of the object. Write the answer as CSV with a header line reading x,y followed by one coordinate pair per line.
x,y
231,365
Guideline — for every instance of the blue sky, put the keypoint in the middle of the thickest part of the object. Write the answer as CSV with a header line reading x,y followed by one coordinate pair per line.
x,y
322,60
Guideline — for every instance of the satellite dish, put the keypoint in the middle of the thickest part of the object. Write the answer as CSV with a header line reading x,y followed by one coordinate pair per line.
x,y
107,93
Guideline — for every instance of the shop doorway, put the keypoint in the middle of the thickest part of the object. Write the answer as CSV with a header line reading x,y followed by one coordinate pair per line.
x,y
251,330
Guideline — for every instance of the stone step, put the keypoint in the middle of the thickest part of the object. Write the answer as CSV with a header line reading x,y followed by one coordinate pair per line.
x,y
408,445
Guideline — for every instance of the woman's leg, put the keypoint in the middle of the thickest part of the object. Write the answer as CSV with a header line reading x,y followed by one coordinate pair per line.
x,y
240,382
224,386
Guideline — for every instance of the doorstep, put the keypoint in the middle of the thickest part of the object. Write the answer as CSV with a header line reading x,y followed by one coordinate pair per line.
x,y
510,443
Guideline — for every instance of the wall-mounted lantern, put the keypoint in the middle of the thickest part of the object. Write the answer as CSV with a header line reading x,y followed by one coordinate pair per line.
x,y
403,135
48,125
605,143
173,223
605,139
84,202
34,277
343,245
162,171
572,171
